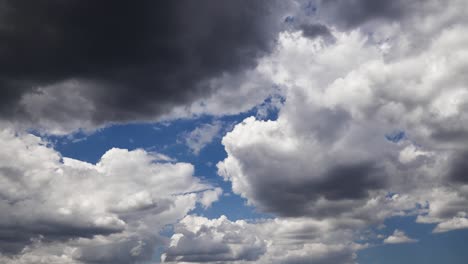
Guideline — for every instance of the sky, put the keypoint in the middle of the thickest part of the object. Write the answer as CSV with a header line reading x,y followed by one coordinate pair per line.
x,y
233,132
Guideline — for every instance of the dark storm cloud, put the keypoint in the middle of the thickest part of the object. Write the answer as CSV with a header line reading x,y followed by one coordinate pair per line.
x,y
352,13
142,57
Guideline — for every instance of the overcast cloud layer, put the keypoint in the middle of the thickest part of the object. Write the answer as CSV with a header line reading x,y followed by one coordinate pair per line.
x,y
372,124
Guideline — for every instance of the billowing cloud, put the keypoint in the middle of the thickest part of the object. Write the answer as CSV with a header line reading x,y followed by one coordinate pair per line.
x,y
109,212
357,140
354,132
201,240
198,239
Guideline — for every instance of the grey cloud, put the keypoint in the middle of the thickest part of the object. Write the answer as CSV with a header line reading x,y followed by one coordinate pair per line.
x,y
342,186
346,256
316,30
353,13
122,252
458,172
132,61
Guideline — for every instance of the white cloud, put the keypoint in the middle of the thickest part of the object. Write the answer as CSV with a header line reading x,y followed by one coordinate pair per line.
x,y
210,196
398,237
110,211
452,224
198,239
326,156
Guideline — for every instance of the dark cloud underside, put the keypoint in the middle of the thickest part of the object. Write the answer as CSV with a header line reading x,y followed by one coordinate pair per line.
x,y
352,13
341,183
141,57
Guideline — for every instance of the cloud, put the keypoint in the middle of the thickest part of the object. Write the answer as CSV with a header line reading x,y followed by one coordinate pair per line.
x,y
354,13
201,136
210,196
57,208
452,224
299,159
198,239
201,240
125,62
459,168
328,154
316,30
373,124
398,237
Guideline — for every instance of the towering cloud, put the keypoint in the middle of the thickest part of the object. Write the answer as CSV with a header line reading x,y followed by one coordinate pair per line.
x,y
365,117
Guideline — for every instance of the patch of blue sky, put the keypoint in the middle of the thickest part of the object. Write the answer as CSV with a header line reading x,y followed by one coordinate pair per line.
x,y
396,136
289,19
449,247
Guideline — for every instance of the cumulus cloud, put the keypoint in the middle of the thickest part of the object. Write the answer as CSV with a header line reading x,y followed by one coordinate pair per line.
x,y
198,239
452,224
351,73
398,237
328,154
328,158
56,208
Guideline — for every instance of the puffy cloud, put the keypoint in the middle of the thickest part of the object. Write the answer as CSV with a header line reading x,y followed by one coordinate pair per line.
x,y
306,162
446,206
198,239
452,224
201,240
56,208
329,153
398,237
210,196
